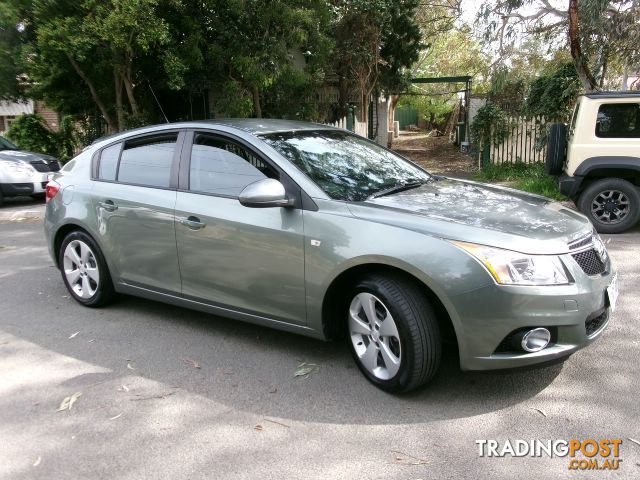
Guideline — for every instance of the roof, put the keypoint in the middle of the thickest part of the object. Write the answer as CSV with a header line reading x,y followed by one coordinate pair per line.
x,y
633,94
254,126
13,109
259,126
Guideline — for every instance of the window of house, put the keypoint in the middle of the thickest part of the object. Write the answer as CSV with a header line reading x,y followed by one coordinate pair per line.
x,y
222,167
618,120
147,161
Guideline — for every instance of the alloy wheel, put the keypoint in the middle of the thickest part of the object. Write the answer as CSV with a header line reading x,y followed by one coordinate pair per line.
x,y
610,206
374,335
81,269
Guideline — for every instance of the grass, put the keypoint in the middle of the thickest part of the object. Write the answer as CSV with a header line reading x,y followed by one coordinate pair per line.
x,y
529,177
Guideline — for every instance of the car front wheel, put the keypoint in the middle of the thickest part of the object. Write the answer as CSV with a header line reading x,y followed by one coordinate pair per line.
x,y
84,270
393,333
612,205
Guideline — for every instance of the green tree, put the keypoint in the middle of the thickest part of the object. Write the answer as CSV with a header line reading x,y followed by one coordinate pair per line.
x,y
597,33
376,40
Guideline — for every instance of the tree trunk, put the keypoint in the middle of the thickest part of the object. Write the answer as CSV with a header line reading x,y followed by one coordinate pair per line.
x,y
257,109
128,85
364,107
584,74
343,96
117,84
111,125
393,104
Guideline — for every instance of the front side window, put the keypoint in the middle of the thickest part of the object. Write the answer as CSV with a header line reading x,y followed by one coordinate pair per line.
x,y
147,161
618,120
345,166
222,167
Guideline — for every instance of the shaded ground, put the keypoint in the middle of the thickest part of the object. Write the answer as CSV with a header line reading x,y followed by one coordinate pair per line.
x,y
172,393
435,154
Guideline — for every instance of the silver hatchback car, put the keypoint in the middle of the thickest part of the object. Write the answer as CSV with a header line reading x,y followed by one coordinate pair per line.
x,y
318,231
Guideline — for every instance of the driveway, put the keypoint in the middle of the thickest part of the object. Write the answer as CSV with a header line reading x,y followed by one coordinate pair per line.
x,y
163,392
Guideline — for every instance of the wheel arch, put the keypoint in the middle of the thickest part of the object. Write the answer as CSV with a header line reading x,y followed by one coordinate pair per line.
x,y
66,229
336,298
597,168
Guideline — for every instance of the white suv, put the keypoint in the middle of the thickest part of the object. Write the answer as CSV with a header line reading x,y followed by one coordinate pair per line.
x,y
598,159
23,173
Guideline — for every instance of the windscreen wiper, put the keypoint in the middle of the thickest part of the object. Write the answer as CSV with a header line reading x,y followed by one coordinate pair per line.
x,y
401,187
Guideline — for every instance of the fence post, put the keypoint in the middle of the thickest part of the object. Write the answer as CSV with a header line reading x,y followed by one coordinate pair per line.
x,y
350,117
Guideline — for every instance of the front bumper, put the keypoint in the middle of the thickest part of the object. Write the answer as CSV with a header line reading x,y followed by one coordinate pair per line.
x,y
16,185
576,315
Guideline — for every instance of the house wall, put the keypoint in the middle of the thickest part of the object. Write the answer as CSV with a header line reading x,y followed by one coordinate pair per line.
x,y
51,118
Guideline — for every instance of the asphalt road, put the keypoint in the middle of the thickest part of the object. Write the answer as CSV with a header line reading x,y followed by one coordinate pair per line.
x,y
171,393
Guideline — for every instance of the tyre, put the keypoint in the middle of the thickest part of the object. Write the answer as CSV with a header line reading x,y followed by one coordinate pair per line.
x,y
84,270
393,333
556,148
1,197
612,205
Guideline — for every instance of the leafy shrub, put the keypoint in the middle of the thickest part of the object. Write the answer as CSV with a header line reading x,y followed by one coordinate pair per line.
x,y
30,133
553,94
490,125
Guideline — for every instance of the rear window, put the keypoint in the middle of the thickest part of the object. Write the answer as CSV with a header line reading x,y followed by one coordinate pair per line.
x,y
147,161
618,120
109,162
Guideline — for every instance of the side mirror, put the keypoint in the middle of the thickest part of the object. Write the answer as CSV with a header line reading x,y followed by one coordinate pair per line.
x,y
264,193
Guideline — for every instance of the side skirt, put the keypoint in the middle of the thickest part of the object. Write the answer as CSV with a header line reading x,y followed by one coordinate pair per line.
x,y
216,310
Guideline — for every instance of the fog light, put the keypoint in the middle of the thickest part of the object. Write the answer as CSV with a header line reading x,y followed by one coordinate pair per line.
x,y
535,340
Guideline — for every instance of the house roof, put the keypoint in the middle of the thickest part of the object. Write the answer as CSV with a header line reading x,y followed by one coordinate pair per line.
x,y
12,109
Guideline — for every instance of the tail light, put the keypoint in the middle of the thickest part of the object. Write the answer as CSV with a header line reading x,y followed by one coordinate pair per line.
x,y
51,190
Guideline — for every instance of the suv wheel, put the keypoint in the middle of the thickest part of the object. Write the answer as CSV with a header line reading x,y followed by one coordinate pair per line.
x,y
393,333
612,205
84,270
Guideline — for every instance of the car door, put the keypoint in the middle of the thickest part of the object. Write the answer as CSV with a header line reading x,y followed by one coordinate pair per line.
x,y
134,197
247,259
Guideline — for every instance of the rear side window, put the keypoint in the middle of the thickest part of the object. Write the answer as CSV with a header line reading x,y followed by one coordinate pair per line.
x,y
222,167
618,120
109,162
147,161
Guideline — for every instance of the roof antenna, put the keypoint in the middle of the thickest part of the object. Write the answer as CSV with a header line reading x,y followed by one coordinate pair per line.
x,y
159,106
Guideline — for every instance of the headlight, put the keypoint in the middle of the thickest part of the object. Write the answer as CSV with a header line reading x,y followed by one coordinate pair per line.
x,y
514,268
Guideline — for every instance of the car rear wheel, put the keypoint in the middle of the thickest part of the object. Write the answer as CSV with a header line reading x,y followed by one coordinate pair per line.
x,y
84,270
612,205
393,333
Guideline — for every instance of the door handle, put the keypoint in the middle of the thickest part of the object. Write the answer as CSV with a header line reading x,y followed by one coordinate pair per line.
x,y
108,205
192,222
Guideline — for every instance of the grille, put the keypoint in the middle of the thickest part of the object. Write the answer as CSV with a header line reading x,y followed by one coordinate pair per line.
x,y
580,243
591,325
589,261
40,166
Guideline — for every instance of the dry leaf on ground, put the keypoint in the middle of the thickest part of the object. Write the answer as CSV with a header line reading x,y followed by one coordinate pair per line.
x,y
68,402
406,459
305,369
191,363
